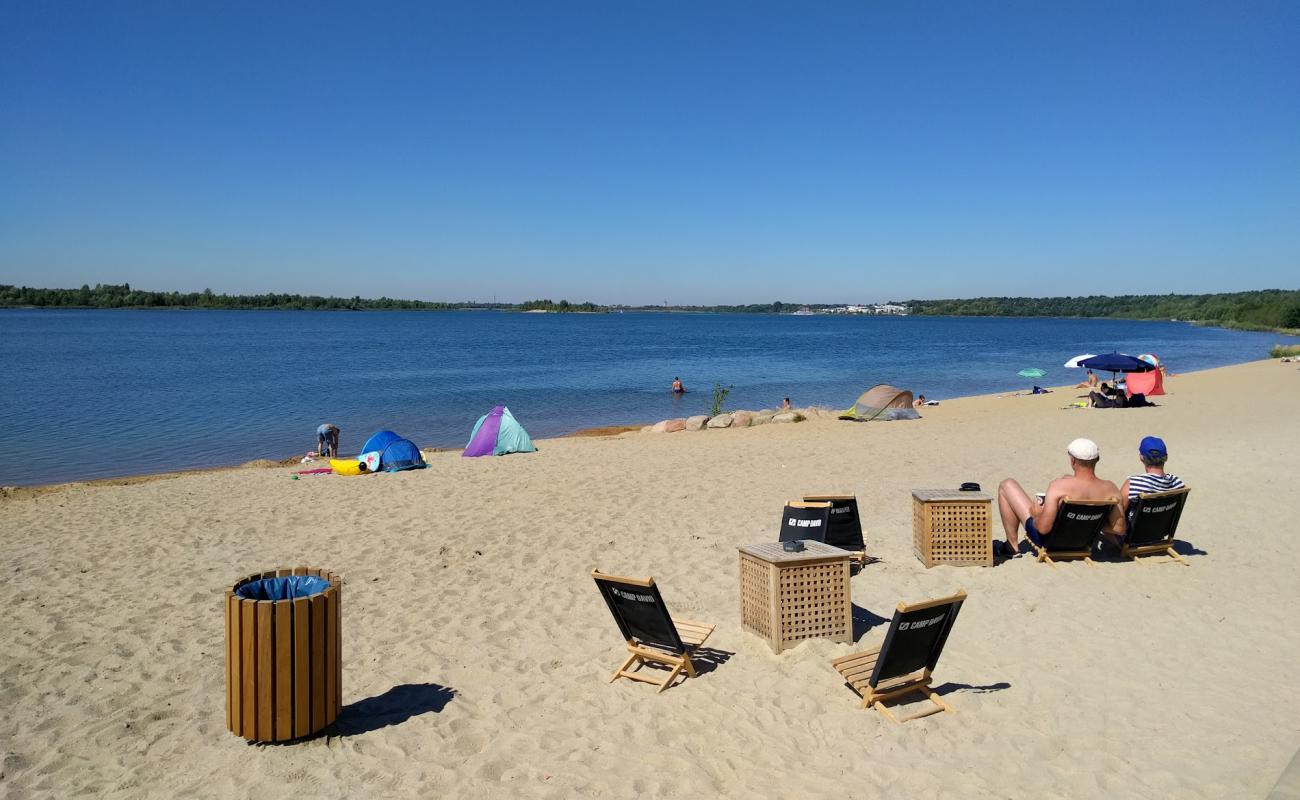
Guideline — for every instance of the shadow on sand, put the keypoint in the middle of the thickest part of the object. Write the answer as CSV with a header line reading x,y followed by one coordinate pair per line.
x,y
393,707
864,621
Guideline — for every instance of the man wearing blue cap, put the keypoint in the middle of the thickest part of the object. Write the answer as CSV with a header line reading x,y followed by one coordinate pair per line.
x,y
1154,454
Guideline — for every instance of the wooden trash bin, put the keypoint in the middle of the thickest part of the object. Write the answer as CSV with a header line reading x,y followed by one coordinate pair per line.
x,y
284,663
952,527
789,597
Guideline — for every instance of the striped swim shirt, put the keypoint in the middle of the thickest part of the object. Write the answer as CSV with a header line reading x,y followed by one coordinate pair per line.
x,y
1150,484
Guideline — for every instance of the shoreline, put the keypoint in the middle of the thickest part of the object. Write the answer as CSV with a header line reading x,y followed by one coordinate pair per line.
x,y
477,653
598,431
1200,323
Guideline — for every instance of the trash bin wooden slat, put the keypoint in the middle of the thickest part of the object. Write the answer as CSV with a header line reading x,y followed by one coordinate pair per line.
x,y
283,671
317,660
232,661
248,668
283,660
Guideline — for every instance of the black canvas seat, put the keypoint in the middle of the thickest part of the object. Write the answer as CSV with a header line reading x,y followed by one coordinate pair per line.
x,y
651,634
1075,532
1152,523
903,662
845,526
804,521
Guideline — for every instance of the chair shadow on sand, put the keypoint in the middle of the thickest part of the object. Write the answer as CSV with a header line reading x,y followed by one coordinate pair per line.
x,y
393,707
1187,549
864,621
948,688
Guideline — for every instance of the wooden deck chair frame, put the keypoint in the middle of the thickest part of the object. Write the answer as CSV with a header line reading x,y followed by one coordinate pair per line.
x,y
1166,545
672,650
860,670
1050,557
856,555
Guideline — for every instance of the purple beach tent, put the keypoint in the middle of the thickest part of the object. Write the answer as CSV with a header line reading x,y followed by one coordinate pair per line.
x,y
497,433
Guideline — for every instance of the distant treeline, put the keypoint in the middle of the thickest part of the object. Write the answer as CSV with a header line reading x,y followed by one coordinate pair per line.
x,y
104,295
1267,309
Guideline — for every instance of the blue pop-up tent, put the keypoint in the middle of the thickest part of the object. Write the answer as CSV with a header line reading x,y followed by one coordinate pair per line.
x,y
401,454
395,453
378,441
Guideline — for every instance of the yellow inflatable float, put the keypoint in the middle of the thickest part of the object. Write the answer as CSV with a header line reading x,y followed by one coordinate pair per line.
x,y
347,466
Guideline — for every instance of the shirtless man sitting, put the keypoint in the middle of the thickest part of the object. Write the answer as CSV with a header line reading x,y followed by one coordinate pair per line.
x,y
1018,508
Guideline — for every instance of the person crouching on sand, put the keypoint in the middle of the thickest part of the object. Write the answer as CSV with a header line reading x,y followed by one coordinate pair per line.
x,y
327,440
1038,515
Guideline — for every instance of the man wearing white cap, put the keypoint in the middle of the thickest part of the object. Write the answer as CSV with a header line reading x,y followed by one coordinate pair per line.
x,y
1038,515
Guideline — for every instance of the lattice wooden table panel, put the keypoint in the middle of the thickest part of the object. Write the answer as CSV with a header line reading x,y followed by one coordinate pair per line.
x,y
788,597
952,527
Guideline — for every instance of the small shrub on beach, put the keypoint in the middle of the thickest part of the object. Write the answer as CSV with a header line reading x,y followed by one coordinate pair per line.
x,y
1285,351
720,393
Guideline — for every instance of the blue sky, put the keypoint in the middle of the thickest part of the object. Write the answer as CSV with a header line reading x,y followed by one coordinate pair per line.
x,y
643,152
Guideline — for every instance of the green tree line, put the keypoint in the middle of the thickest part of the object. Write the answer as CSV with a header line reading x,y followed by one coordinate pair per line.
x,y
123,296
1266,309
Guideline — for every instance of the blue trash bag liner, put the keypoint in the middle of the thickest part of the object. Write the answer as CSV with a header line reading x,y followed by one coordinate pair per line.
x,y
290,587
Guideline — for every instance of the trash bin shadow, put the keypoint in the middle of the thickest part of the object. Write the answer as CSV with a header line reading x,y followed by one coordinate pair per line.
x,y
393,707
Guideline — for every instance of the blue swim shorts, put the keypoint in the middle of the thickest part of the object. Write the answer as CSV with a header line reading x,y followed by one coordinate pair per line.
x,y
1032,532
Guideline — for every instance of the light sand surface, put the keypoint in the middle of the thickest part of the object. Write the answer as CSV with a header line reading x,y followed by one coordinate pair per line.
x,y
477,649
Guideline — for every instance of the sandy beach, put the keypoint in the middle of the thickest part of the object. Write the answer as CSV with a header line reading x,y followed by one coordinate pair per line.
x,y
476,648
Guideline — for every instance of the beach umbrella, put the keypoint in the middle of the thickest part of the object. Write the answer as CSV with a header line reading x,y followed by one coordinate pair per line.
x,y
1116,362
1031,372
1151,359
1074,362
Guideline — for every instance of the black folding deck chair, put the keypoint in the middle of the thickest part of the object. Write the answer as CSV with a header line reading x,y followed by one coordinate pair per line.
x,y
651,634
801,520
903,663
1153,521
845,529
1075,532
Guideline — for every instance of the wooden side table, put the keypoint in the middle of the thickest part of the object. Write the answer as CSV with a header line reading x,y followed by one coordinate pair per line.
x,y
789,597
952,527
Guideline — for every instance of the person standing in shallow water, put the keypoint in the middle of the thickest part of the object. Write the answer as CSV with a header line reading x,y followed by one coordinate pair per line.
x,y
327,440
678,388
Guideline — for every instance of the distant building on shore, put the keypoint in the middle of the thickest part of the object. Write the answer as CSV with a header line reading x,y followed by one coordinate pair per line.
x,y
876,309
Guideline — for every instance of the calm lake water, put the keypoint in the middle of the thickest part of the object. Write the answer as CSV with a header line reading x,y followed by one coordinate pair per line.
x,y
98,393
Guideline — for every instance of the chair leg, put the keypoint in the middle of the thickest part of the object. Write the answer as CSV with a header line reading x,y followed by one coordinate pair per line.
x,y
618,673
690,668
1174,555
889,715
672,676
934,698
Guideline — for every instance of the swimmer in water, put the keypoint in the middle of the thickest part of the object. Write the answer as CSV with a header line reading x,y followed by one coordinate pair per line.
x,y
677,386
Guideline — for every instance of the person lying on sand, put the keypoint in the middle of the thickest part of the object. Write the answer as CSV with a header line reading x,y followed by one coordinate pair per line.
x,y
1153,454
1016,507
